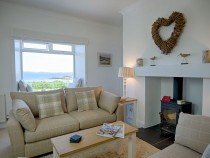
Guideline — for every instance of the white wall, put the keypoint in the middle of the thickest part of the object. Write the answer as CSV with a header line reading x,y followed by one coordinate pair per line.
x,y
101,38
138,20
138,43
193,91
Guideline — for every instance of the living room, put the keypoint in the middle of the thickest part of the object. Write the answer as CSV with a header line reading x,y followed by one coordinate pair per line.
x,y
126,42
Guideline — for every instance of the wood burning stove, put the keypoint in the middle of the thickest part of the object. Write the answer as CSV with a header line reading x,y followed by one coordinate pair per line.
x,y
170,114
170,110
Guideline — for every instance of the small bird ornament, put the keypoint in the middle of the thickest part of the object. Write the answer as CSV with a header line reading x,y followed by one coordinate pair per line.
x,y
184,58
152,60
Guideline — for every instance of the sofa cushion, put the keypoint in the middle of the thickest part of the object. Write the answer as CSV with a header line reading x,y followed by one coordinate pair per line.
x,y
49,105
92,118
23,114
52,127
193,131
71,97
176,151
22,86
86,100
206,153
108,101
30,99
29,88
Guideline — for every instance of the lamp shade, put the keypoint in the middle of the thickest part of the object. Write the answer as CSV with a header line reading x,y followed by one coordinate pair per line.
x,y
126,72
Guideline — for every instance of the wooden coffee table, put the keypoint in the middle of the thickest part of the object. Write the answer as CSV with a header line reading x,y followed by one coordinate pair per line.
x,y
63,148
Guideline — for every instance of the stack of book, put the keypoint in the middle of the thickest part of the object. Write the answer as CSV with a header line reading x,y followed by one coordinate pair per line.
x,y
111,130
180,102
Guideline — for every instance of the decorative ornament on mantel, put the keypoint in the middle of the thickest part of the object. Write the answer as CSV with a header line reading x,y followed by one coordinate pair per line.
x,y
206,56
153,61
167,45
184,58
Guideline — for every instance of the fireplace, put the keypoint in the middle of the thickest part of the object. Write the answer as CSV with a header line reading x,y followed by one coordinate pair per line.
x,y
153,82
170,110
170,114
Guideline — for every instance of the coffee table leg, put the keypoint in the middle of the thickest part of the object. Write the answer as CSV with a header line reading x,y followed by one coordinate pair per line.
x,y
119,146
132,146
55,154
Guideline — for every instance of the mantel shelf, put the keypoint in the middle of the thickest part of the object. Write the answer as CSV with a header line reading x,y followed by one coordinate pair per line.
x,y
188,70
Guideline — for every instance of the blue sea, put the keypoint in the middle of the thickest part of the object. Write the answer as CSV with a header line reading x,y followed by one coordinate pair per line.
x,y
38,76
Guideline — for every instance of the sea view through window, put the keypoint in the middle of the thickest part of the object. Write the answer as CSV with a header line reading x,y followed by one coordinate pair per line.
x,y
46,65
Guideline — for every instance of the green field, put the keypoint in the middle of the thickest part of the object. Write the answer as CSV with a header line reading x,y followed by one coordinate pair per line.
x,y
43,85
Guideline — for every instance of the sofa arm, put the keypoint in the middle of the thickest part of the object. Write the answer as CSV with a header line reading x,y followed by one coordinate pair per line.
x,y
16,136
120,112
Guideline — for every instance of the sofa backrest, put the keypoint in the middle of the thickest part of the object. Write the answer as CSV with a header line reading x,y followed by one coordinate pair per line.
x,y
30,99
193,131
71,97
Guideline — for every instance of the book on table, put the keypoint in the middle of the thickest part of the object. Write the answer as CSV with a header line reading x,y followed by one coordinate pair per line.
x,y
111,130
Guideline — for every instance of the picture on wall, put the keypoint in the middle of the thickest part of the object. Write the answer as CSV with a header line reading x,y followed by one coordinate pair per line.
x,y
104,59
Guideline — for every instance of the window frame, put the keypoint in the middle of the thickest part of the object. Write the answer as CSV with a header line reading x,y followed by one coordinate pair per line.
x,y
47,51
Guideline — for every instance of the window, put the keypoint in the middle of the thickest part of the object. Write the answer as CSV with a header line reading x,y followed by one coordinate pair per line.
x,y
46,65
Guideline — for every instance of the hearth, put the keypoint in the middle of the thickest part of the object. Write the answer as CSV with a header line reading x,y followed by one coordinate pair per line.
x,y
170,110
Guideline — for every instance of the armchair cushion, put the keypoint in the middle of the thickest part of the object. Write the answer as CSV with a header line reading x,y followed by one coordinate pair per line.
x,y
49,105
86,100
108,101
24,115
193,131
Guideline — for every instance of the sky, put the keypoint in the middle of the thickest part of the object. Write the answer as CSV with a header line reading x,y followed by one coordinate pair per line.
x,y
40,62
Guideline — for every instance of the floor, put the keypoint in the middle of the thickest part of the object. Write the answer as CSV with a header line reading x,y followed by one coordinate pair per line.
x,y
153,136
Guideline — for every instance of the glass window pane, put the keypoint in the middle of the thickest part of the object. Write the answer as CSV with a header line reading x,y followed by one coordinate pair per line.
x,y
62,47
47,71
35,46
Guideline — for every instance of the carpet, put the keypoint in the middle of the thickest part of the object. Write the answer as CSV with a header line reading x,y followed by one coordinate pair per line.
x,y
143,150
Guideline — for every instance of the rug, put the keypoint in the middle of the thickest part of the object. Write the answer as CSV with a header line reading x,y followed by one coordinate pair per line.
x,y
143,150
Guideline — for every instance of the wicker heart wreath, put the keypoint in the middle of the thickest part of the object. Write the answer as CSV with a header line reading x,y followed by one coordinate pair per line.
x,y
167,45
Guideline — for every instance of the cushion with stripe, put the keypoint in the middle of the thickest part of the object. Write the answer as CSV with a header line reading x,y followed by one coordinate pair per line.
x,y
30,99
49,105
71,99
86,100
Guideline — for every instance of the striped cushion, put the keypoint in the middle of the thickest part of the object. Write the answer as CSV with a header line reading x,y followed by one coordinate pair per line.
x,y
71,99
30,99
86,100
49,105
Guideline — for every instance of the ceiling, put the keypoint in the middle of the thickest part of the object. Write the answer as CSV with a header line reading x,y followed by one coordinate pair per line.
x,y
102,11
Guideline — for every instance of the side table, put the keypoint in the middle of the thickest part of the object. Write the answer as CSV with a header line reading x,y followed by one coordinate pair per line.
x,y
129,108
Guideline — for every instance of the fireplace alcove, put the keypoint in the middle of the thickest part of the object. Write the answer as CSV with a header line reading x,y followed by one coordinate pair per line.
x,y
170,111
154,82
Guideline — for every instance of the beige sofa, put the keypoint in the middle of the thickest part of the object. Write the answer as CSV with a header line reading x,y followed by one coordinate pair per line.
x,y
30,141
191,138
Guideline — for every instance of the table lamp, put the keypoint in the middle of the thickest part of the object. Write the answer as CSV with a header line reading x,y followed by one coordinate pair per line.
x,y
125,72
